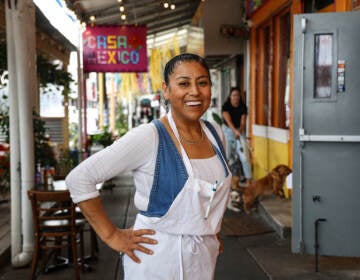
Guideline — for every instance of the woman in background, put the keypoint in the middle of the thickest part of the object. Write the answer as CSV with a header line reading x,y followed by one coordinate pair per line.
x,y
234,113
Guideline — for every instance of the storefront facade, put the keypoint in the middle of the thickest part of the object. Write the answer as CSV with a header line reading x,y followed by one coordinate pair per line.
x,y
271,77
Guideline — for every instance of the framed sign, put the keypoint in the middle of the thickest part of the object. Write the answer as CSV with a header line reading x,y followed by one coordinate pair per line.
x,y
114,49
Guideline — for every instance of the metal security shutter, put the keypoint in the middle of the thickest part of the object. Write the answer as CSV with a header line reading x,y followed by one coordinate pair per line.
x,y
2,137
53,127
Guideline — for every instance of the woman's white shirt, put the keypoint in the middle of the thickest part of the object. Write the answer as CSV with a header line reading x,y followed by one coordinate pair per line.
x,y
134,152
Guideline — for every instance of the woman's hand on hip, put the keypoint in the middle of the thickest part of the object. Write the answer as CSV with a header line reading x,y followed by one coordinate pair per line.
x,y
128,240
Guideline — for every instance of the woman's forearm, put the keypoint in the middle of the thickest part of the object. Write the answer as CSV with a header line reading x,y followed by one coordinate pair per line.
x,y
228,120
242,124
95,214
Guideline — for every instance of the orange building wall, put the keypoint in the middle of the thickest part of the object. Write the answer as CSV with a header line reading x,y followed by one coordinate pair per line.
x,y
259,17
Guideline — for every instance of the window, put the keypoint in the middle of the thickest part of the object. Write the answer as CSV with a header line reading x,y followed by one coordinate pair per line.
x,y
273,72
323,65
282,101
264,77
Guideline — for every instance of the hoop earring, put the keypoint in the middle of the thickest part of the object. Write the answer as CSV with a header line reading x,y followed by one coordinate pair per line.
x,y
166,105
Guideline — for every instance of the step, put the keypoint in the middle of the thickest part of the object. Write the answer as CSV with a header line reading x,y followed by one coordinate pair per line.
x,y
278,213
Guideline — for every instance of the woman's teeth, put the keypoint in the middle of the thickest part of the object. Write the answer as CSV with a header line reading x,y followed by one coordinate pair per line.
x,y
193,103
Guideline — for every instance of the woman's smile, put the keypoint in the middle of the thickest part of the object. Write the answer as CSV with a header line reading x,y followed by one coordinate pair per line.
x,y
193,103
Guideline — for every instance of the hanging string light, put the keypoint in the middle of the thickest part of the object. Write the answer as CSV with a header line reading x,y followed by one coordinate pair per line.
x,y
92,20
168,4
122,10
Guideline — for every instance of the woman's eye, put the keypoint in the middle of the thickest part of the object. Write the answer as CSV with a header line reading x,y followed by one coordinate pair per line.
x,y
203,83
183,84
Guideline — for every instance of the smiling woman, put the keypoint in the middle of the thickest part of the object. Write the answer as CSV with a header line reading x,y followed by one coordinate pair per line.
x,y
178,162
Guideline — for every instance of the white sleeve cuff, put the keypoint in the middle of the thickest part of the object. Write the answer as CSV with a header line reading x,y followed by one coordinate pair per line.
x,y
83,197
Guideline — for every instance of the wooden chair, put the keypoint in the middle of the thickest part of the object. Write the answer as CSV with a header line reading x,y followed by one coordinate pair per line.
x,y
94,247
55,227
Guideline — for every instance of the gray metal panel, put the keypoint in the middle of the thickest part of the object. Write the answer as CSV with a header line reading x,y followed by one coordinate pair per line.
x,y
331,116
326,146
331,173
297,211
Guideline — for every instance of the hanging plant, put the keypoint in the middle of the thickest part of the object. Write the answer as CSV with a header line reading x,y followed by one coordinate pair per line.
x,y
48,73
104,138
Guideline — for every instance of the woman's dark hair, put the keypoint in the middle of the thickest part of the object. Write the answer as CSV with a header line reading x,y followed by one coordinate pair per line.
x,y
187,57
242,97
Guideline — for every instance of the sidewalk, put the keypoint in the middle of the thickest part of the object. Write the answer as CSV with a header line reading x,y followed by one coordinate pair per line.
x,y
279,262
253,257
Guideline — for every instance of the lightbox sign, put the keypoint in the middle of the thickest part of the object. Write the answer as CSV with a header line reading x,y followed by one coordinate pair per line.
x,y
114,49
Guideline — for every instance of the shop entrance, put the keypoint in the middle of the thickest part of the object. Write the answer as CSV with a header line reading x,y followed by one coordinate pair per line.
x,y
326,151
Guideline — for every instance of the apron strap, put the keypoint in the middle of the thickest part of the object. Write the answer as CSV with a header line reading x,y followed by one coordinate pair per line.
x,y
218,146
216,136
169,179
183,153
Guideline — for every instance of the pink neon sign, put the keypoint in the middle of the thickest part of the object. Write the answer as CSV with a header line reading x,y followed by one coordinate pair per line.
x,y
114,49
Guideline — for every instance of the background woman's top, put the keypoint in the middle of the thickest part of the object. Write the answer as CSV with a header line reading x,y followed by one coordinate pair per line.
x,y
235,112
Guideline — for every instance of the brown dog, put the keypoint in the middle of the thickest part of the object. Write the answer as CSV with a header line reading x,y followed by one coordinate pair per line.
x,y
270,184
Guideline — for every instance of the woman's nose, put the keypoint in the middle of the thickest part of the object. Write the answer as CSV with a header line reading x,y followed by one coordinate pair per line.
x,y
194,90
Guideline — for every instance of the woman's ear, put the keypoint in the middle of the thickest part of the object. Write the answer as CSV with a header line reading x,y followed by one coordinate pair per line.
x,y
165,89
